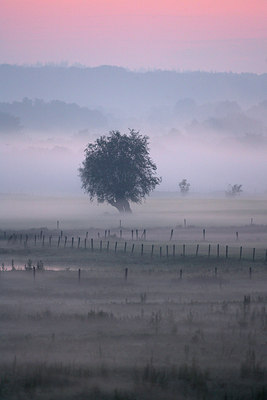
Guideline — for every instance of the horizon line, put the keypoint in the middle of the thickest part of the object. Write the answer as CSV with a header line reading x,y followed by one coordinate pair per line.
x,y
67,65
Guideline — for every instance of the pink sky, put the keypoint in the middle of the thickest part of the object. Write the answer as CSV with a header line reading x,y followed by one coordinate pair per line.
x,y
173,34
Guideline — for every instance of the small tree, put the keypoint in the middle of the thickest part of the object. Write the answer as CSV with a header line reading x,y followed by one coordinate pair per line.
x,y
234,190
117,169
184,186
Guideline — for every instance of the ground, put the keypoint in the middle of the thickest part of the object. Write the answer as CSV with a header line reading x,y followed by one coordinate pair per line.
x,y
130,325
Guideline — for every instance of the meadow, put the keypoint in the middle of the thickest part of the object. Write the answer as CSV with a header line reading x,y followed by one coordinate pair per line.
x,y
160,210
98,324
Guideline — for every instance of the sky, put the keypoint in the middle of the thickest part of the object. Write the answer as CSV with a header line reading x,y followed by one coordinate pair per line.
x,y
210,35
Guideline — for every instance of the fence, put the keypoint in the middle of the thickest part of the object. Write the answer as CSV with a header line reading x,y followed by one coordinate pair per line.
x,y
138,245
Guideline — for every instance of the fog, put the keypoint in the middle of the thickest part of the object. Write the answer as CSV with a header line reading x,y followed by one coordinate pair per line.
x,y
209,161
139,305
208,128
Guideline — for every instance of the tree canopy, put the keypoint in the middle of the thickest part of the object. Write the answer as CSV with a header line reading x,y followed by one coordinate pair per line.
x,y
184,186
234,190
117,169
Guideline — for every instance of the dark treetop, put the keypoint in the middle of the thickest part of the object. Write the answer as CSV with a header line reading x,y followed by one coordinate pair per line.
x,y
117,169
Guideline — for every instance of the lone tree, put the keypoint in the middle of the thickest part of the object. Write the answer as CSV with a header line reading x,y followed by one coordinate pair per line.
x,y
184,186
234,190
117,169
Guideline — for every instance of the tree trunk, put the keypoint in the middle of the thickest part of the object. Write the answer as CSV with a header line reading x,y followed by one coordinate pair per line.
x,y
127,207
122,205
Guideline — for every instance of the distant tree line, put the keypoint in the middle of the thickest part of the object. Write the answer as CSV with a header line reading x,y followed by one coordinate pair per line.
x,y
54,115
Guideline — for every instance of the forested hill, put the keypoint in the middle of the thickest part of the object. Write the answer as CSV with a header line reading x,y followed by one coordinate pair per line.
x,y
44,116
118,88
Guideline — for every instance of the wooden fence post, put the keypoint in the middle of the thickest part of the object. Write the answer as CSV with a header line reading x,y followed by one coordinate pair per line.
x,y
240,253
236,236
58,242
136,234
126,273
152,250
72,242
142,249
250,272
171,235
120,233
204,234
132,234
92,244
43,241
226,252
132,248
85,243
181,273
100,245
115,249
167,251
79,241
65,242
108,246
209,250
183,250
79,275
197,250
50,239
253,254
173,250
125,245
160,251
218,250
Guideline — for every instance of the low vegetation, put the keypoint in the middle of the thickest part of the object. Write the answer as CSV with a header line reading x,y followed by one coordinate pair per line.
x,y
87,320
152,334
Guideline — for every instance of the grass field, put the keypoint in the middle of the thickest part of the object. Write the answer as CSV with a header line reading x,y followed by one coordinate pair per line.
x,y
182,327
154,335
161,210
